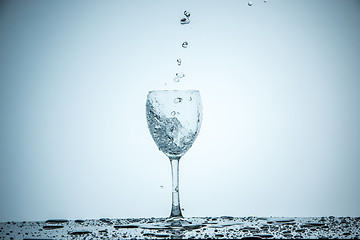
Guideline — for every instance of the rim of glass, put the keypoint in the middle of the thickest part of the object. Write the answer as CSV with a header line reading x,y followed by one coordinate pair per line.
x,y
173,91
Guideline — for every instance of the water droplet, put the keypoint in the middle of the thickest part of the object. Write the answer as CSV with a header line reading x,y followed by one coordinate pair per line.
x,y
80,232
176,79
178,100
125,226
185,21
51,227
187,14
185,44
178,61
162,235
250,4
161,186
148,234
180,75
54,221
173,113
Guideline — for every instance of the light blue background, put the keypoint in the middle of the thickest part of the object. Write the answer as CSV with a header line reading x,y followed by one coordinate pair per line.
x,y
280,84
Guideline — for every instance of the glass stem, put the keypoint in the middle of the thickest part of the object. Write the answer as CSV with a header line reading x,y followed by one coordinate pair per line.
x,y
175,209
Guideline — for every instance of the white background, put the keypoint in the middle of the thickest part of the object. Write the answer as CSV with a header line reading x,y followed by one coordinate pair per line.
x,y
280,88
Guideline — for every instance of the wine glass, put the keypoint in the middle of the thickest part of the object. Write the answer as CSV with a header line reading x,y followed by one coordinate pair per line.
x,y
174,118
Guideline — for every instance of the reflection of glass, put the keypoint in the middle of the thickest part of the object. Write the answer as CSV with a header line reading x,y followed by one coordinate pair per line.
x,y
174,120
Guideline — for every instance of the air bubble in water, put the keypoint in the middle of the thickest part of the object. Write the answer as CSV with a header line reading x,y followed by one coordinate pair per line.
x,y
178,100
190,99
161,186
180,75
176,79
264,1
178,61
185,21
187,14
185,44
173,113
250,4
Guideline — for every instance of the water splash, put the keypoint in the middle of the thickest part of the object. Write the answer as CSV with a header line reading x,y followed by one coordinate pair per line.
x,y
169,134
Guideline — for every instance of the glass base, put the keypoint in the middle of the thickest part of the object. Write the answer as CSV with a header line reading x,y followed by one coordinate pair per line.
x,y
177,222
182,223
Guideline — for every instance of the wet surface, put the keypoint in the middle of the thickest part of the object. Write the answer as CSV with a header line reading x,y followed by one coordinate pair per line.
x,y
196,227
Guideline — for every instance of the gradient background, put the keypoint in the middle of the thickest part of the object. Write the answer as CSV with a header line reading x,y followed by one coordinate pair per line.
x,y
280,85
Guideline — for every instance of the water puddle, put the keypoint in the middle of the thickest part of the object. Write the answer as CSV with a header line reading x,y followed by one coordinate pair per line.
x,y
195,227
